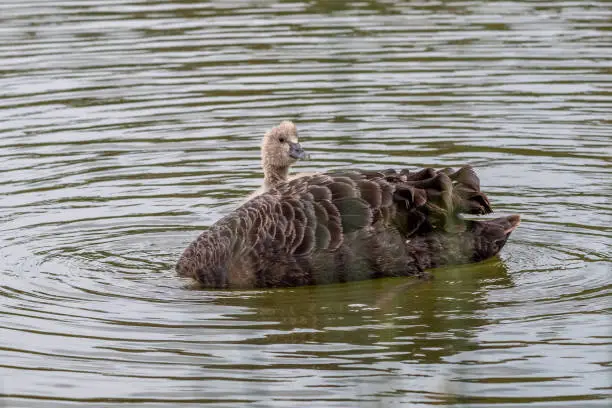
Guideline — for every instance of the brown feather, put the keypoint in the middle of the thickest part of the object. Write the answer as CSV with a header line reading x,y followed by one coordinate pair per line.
x,y
340,190
371,192
355,213
320,193
466,176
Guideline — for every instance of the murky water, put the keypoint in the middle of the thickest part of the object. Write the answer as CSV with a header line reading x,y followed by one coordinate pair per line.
x,y
126,127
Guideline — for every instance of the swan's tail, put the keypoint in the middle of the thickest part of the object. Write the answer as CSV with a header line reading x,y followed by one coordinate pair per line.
x,y
478,241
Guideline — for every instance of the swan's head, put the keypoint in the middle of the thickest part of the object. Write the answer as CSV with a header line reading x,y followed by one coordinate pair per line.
x,y
280,147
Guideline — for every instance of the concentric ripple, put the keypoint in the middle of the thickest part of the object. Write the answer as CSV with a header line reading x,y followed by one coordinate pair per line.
x,y
127,127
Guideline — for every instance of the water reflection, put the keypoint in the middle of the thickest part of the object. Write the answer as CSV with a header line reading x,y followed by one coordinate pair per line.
x,y
379,311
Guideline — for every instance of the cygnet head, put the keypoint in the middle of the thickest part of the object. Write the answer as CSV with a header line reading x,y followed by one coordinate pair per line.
x,y
280,149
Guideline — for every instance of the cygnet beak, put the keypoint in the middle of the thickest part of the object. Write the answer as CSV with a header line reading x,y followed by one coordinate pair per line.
x,y
296,151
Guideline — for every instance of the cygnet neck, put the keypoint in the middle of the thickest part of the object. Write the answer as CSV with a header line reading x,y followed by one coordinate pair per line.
x,y
274,175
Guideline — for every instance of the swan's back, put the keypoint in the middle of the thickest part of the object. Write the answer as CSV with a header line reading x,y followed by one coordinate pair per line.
x,y
333,227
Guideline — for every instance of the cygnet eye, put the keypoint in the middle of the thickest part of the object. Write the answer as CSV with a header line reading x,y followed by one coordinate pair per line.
x,y
282,140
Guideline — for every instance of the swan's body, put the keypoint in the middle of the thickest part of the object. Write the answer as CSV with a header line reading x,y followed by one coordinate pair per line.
x,y
342,226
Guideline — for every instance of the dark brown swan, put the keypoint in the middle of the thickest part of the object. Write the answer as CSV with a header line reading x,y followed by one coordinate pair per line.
x,y
345,225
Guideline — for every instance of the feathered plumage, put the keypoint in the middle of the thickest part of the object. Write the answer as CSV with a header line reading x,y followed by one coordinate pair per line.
x,y
348,225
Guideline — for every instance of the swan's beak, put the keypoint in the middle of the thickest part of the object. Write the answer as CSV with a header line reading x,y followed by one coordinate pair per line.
x,y
296,151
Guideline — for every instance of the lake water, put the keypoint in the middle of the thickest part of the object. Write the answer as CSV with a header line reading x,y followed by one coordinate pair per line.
x,y
127,127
